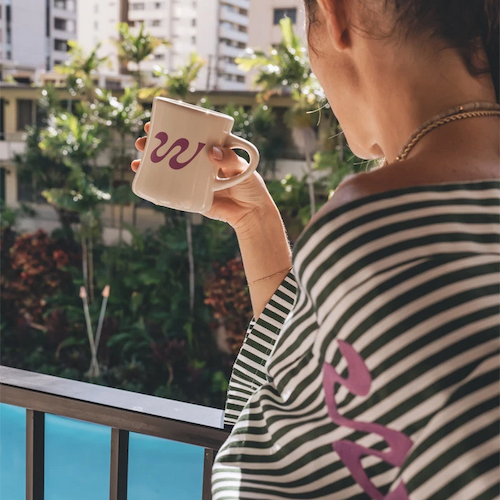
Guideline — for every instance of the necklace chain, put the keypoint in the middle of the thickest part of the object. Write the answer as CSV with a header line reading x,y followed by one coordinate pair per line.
x,y
471,110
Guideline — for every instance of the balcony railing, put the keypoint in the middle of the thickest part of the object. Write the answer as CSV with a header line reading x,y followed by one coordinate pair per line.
x,y
126,414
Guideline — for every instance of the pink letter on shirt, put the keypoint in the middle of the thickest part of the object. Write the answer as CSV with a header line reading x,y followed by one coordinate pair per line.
x,y
359,383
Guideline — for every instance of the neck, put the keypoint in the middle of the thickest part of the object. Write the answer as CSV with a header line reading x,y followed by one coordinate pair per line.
x,y
402,100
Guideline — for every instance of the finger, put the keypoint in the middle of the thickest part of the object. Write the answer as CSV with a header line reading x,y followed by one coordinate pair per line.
x,y
135,165
146,127
140,144
228,161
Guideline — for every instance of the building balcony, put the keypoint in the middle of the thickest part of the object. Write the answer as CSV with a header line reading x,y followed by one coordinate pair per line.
x,y
227,50
63,35
232,69
10,148
68,439
242,4
59,55
233,34
233,17
231,85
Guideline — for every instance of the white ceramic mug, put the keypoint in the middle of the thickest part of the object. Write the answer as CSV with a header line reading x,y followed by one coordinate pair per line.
x,y
175,170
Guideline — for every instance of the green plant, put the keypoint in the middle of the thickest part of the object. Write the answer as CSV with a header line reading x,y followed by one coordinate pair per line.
x,y
287,67
136,48
76,141
126,116
81,69
226,292
259,127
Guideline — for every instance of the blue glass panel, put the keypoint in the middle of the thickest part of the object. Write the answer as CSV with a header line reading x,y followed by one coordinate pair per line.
x,y
12,452
160,469
77,459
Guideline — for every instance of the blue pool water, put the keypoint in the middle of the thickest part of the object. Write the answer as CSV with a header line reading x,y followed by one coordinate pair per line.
x,y
77,462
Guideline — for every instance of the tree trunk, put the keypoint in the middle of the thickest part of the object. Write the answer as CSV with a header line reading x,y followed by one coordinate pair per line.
x,y
65,218
134,214
139,76
122,178
91,264
84,261
189,234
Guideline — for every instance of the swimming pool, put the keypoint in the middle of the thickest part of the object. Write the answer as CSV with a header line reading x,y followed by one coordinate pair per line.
x,y
77,462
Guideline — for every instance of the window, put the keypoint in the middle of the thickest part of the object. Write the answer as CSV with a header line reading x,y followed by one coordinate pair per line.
x,y
60,24
240,79
159,57
61,45
156,22
96,25
193,40
193,22
96,8
279,14
137,6
242,29
159,5
24,114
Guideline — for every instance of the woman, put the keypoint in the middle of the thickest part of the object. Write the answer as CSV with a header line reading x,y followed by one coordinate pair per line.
x,y
372,368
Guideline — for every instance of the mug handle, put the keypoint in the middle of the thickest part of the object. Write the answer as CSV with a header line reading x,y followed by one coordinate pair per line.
x,y
236,142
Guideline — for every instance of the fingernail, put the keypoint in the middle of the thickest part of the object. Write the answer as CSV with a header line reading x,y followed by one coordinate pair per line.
x,y
218,154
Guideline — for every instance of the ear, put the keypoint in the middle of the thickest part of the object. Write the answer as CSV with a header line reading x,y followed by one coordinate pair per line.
x,y
335,14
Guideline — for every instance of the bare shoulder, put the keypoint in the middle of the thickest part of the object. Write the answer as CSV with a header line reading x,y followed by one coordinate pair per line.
x,y
355,187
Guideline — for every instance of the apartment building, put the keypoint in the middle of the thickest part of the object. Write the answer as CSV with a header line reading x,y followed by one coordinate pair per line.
x,y
215,29
265,16
34,34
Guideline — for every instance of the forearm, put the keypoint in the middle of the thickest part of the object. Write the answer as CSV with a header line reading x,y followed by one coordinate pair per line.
x,y
265,252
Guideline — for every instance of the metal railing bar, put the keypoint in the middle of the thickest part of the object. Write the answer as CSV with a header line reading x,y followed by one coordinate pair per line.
x,y
207,474
107,396
119,465
175,430
35,455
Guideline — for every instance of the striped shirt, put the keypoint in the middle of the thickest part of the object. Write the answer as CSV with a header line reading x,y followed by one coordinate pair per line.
x,y
375,375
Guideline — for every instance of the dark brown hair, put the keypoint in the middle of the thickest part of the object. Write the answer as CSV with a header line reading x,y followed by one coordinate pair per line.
x,y
467,25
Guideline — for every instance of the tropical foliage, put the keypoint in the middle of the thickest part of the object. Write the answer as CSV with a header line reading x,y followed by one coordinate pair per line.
x,y
174,304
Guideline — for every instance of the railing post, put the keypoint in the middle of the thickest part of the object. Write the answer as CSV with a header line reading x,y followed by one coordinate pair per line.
x,y
119,464
207,474
35,454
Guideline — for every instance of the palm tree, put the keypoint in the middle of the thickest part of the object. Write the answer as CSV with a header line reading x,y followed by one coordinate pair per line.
x,y
76,141
81,69
137,48
126,117
286,67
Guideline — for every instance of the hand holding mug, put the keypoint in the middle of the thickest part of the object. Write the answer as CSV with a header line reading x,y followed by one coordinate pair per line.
x,y
182,156
239,205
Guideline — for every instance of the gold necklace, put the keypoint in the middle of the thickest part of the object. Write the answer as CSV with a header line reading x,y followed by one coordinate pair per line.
x,y
471,110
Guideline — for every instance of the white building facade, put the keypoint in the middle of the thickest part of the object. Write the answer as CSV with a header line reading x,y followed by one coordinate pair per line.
x,y
34,33
265,15
215,29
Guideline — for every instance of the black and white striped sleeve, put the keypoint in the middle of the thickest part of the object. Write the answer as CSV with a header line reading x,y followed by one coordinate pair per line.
x,y
248,370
